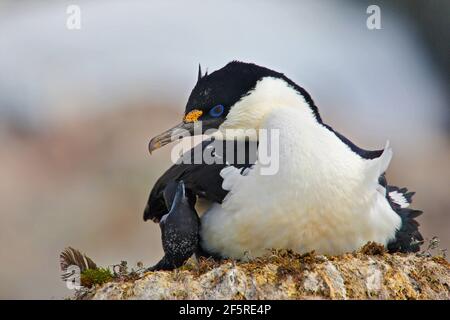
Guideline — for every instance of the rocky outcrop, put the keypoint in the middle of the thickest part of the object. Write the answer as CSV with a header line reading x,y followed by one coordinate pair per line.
x,y
370,273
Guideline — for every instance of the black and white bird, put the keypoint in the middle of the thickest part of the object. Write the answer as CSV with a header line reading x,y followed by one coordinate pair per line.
x,y
328,194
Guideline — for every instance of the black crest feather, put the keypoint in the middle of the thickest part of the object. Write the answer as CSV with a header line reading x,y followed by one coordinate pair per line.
x,y
199,72
200,75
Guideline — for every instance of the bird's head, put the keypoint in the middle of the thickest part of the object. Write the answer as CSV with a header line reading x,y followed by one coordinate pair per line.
x,y
238,96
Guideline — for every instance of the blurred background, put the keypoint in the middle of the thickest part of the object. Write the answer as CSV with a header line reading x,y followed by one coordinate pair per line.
x,y
78,107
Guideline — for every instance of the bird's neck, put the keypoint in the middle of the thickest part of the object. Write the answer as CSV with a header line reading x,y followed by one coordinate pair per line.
x,y
271,95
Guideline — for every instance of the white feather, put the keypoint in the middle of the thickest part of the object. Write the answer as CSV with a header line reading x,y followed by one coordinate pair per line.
x,y
378,166
231,176
399,199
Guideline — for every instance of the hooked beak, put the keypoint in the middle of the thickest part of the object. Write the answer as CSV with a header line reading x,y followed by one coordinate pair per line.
x,y
190,126
181,130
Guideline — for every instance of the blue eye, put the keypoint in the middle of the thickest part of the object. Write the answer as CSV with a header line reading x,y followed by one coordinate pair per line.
x,y
216,111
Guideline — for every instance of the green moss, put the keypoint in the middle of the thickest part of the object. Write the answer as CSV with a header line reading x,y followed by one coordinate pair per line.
x,y
91,277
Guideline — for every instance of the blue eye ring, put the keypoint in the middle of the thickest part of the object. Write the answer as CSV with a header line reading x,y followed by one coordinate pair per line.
x,y
216,111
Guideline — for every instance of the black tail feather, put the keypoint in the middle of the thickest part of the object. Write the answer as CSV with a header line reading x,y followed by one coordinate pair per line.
x,y
408,238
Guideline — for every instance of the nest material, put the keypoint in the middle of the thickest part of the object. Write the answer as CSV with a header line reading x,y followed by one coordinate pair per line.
x,y
369,273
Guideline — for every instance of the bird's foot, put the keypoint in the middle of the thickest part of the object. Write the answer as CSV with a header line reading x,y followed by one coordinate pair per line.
x,y
164,264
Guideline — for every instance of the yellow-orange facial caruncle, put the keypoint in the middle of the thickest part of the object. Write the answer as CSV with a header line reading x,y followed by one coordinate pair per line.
x,y
193,116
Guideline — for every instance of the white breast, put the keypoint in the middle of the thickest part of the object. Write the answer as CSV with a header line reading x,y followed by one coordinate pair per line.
x,y
323,198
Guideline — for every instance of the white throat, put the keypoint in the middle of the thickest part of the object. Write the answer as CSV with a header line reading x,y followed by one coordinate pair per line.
x,y
251,111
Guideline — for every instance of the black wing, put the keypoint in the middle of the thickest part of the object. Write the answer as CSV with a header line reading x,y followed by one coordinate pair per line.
x,y
200,179
365,154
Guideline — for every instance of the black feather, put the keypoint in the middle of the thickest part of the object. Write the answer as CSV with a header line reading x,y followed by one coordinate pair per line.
x,y
408,238
202,180
199,76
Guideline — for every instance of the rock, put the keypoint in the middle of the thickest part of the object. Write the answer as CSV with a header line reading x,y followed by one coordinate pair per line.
x,y
366,274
